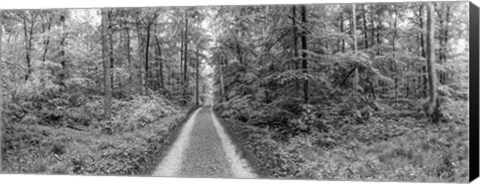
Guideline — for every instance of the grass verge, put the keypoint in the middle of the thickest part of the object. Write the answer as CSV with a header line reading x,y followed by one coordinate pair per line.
x,y
133,146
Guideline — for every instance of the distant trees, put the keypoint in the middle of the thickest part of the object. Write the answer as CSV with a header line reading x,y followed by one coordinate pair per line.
x,y
68,49
265,53
258,58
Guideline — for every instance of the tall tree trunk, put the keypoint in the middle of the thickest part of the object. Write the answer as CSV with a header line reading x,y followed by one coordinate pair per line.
x,y
365,29
197,75
304,53
110,49
140,58
372,22
394,63
379,40
239,50
28,47
63,59
182,38
424,54
432,81
106,67
162,84
295,45
447,22
441,44
147,75
342,31
354,34
295,35
129,57
185,65
444,42
46,41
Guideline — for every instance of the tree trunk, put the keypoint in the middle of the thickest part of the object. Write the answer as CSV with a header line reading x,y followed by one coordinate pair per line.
x,y
341,31
162,84
444,42
379,27
106,67
181,59
110,49
447,22
372,22
394,63
140,58
432,103
129,57
354,34
28,48
424,54
365,29
46,42
185,65
239,51
63,59
197,75
295,45
147,75
295,35
304,53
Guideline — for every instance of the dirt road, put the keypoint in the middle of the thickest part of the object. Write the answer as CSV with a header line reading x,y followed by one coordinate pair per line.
x,y
203,150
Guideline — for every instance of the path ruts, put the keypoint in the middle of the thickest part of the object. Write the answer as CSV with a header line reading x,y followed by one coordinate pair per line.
x,y
203,150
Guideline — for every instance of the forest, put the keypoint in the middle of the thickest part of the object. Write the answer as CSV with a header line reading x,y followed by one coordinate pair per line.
x,y
371,92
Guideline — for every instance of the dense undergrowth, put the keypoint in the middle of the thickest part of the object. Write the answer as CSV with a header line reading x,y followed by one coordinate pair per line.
x,y
351,138
49,133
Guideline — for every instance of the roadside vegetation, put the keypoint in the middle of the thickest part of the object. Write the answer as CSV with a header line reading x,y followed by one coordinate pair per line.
x,y
77,140
305,97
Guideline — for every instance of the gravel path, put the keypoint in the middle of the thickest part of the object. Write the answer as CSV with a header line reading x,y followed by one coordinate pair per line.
x,y
203,150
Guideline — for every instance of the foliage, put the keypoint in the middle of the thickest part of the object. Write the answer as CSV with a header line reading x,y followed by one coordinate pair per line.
x,y
98,147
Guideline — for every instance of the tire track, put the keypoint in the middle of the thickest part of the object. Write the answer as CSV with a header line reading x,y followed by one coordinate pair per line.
x,y
203,149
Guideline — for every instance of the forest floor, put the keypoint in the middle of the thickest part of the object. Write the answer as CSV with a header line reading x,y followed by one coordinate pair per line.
x,y
203,150
389,144
76,140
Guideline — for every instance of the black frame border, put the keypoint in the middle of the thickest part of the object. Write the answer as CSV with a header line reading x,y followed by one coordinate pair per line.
x,y
474,94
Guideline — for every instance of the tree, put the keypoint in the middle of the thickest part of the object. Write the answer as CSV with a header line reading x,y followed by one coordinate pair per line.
x,y
160,74
295,35
365,29
148,27
106,65
304,52
354,34
295,41
62,75
419,15
197,74
185,57
46,27
432,106
28,18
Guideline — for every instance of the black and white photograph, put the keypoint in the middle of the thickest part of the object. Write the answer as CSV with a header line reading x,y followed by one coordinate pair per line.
x,y
361,91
